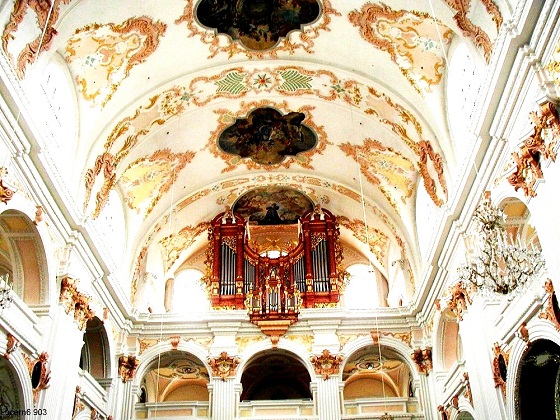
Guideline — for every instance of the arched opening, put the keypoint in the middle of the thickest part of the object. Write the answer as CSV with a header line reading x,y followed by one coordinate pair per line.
x,y
362,291
95,357
518,223
275,375
373,381
22,256
368,375
538,382
450,341
10,388
189,294
175,377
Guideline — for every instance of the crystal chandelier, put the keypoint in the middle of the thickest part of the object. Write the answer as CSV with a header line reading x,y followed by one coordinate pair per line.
x,y
6,297
497,265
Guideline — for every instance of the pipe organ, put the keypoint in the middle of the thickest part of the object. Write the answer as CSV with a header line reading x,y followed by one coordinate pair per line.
x,y
273,271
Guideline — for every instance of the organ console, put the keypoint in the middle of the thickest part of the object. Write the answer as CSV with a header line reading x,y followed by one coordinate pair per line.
x,y
274,270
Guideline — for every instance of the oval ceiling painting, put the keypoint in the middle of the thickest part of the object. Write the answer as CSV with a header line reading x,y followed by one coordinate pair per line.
x,y
272,205
258,24
267,136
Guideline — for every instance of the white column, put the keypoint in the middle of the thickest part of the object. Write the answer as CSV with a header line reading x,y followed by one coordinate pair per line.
x,y
64,350
223,399
328,399
126,398
477,339
425,394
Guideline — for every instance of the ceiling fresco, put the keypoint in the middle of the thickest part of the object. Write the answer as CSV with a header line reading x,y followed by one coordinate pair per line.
x,y
258,24
273,205
290,141
203,104
255,24
267,136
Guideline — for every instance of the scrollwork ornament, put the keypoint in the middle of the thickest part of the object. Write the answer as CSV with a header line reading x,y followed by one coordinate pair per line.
x,y
127,367
11,346
224,366
548,312
326,364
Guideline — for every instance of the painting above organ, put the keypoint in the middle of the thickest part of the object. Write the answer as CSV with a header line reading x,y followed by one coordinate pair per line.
x,y
272,268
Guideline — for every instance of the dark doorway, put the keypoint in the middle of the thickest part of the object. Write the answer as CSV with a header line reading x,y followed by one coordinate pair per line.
x,y
539,382
275,375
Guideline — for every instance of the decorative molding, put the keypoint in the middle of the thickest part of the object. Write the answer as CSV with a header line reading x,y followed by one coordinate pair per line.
x,y
443,413
523,333
469,29
527,159
499,368
46,19
548,312
411,38
6,193
224,366
103,55
78,404
423,359
326,364
74,300
127,367
11,346
275,328
467,392
405,337
38,372
39,215
174,340
307,35
457,300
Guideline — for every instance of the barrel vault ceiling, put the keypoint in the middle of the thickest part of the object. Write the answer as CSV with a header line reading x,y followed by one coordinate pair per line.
x,y
155,92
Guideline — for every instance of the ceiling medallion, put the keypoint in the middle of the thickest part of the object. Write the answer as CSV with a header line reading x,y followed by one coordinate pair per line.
x,y
257,24
272,204
267,137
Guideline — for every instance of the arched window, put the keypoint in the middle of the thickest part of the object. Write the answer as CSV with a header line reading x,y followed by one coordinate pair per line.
x,y
22,256
189,295
462,88
95,357
362,291
451,346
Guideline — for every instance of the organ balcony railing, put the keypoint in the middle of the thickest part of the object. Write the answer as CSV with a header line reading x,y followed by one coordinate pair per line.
x,y
273,271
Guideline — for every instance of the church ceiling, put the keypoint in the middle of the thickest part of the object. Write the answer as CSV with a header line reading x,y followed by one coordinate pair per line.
x,y
192,105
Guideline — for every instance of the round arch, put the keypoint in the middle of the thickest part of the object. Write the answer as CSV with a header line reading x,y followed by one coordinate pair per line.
x,y
27,243
538,330
275,374
441,356
96,352
284,344
19,370
152,353
391,343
